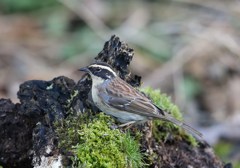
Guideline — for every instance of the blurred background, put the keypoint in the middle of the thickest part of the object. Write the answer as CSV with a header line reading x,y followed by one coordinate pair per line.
x,y
190,49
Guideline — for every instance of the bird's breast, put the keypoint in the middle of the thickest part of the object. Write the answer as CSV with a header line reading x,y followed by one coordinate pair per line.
x,y
95,96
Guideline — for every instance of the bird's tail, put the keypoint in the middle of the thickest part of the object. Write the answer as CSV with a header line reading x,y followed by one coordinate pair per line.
x,y
189,129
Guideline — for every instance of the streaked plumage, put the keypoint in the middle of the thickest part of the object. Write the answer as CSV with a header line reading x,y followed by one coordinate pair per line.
x,y
115,97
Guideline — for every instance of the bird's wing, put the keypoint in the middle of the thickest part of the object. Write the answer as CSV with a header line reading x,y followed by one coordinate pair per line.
x,y
124,97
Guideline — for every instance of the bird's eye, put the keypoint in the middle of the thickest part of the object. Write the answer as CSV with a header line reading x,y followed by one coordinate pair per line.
x,y
98,69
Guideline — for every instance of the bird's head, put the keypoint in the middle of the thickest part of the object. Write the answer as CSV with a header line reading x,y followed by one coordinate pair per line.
x,y
99,71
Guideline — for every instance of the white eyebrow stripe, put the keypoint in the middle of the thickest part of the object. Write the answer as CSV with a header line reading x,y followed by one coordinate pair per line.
x,y
104,67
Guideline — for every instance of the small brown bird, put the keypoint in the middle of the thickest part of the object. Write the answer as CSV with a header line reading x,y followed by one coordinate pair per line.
x,y
117,98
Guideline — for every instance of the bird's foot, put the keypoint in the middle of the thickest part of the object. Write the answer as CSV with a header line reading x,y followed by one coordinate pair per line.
x,y
127,125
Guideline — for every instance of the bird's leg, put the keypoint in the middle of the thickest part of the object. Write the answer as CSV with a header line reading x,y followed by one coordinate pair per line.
x,y
149,136
150,129
128,124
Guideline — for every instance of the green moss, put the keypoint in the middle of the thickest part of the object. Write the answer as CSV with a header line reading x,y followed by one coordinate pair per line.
x,y
131,148
162,128
67,131
99,145
72,96
69,102
95,144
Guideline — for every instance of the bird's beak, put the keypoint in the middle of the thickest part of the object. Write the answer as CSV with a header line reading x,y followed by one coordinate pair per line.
x,y
85,69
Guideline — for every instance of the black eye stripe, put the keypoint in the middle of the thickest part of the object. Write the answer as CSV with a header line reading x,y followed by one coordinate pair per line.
x,y
98,69
103,73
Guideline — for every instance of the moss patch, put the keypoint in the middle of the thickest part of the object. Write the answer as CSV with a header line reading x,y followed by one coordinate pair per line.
x,y
162,128
95,144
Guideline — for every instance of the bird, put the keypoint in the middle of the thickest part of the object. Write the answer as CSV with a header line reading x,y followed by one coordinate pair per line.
x,y
115,97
